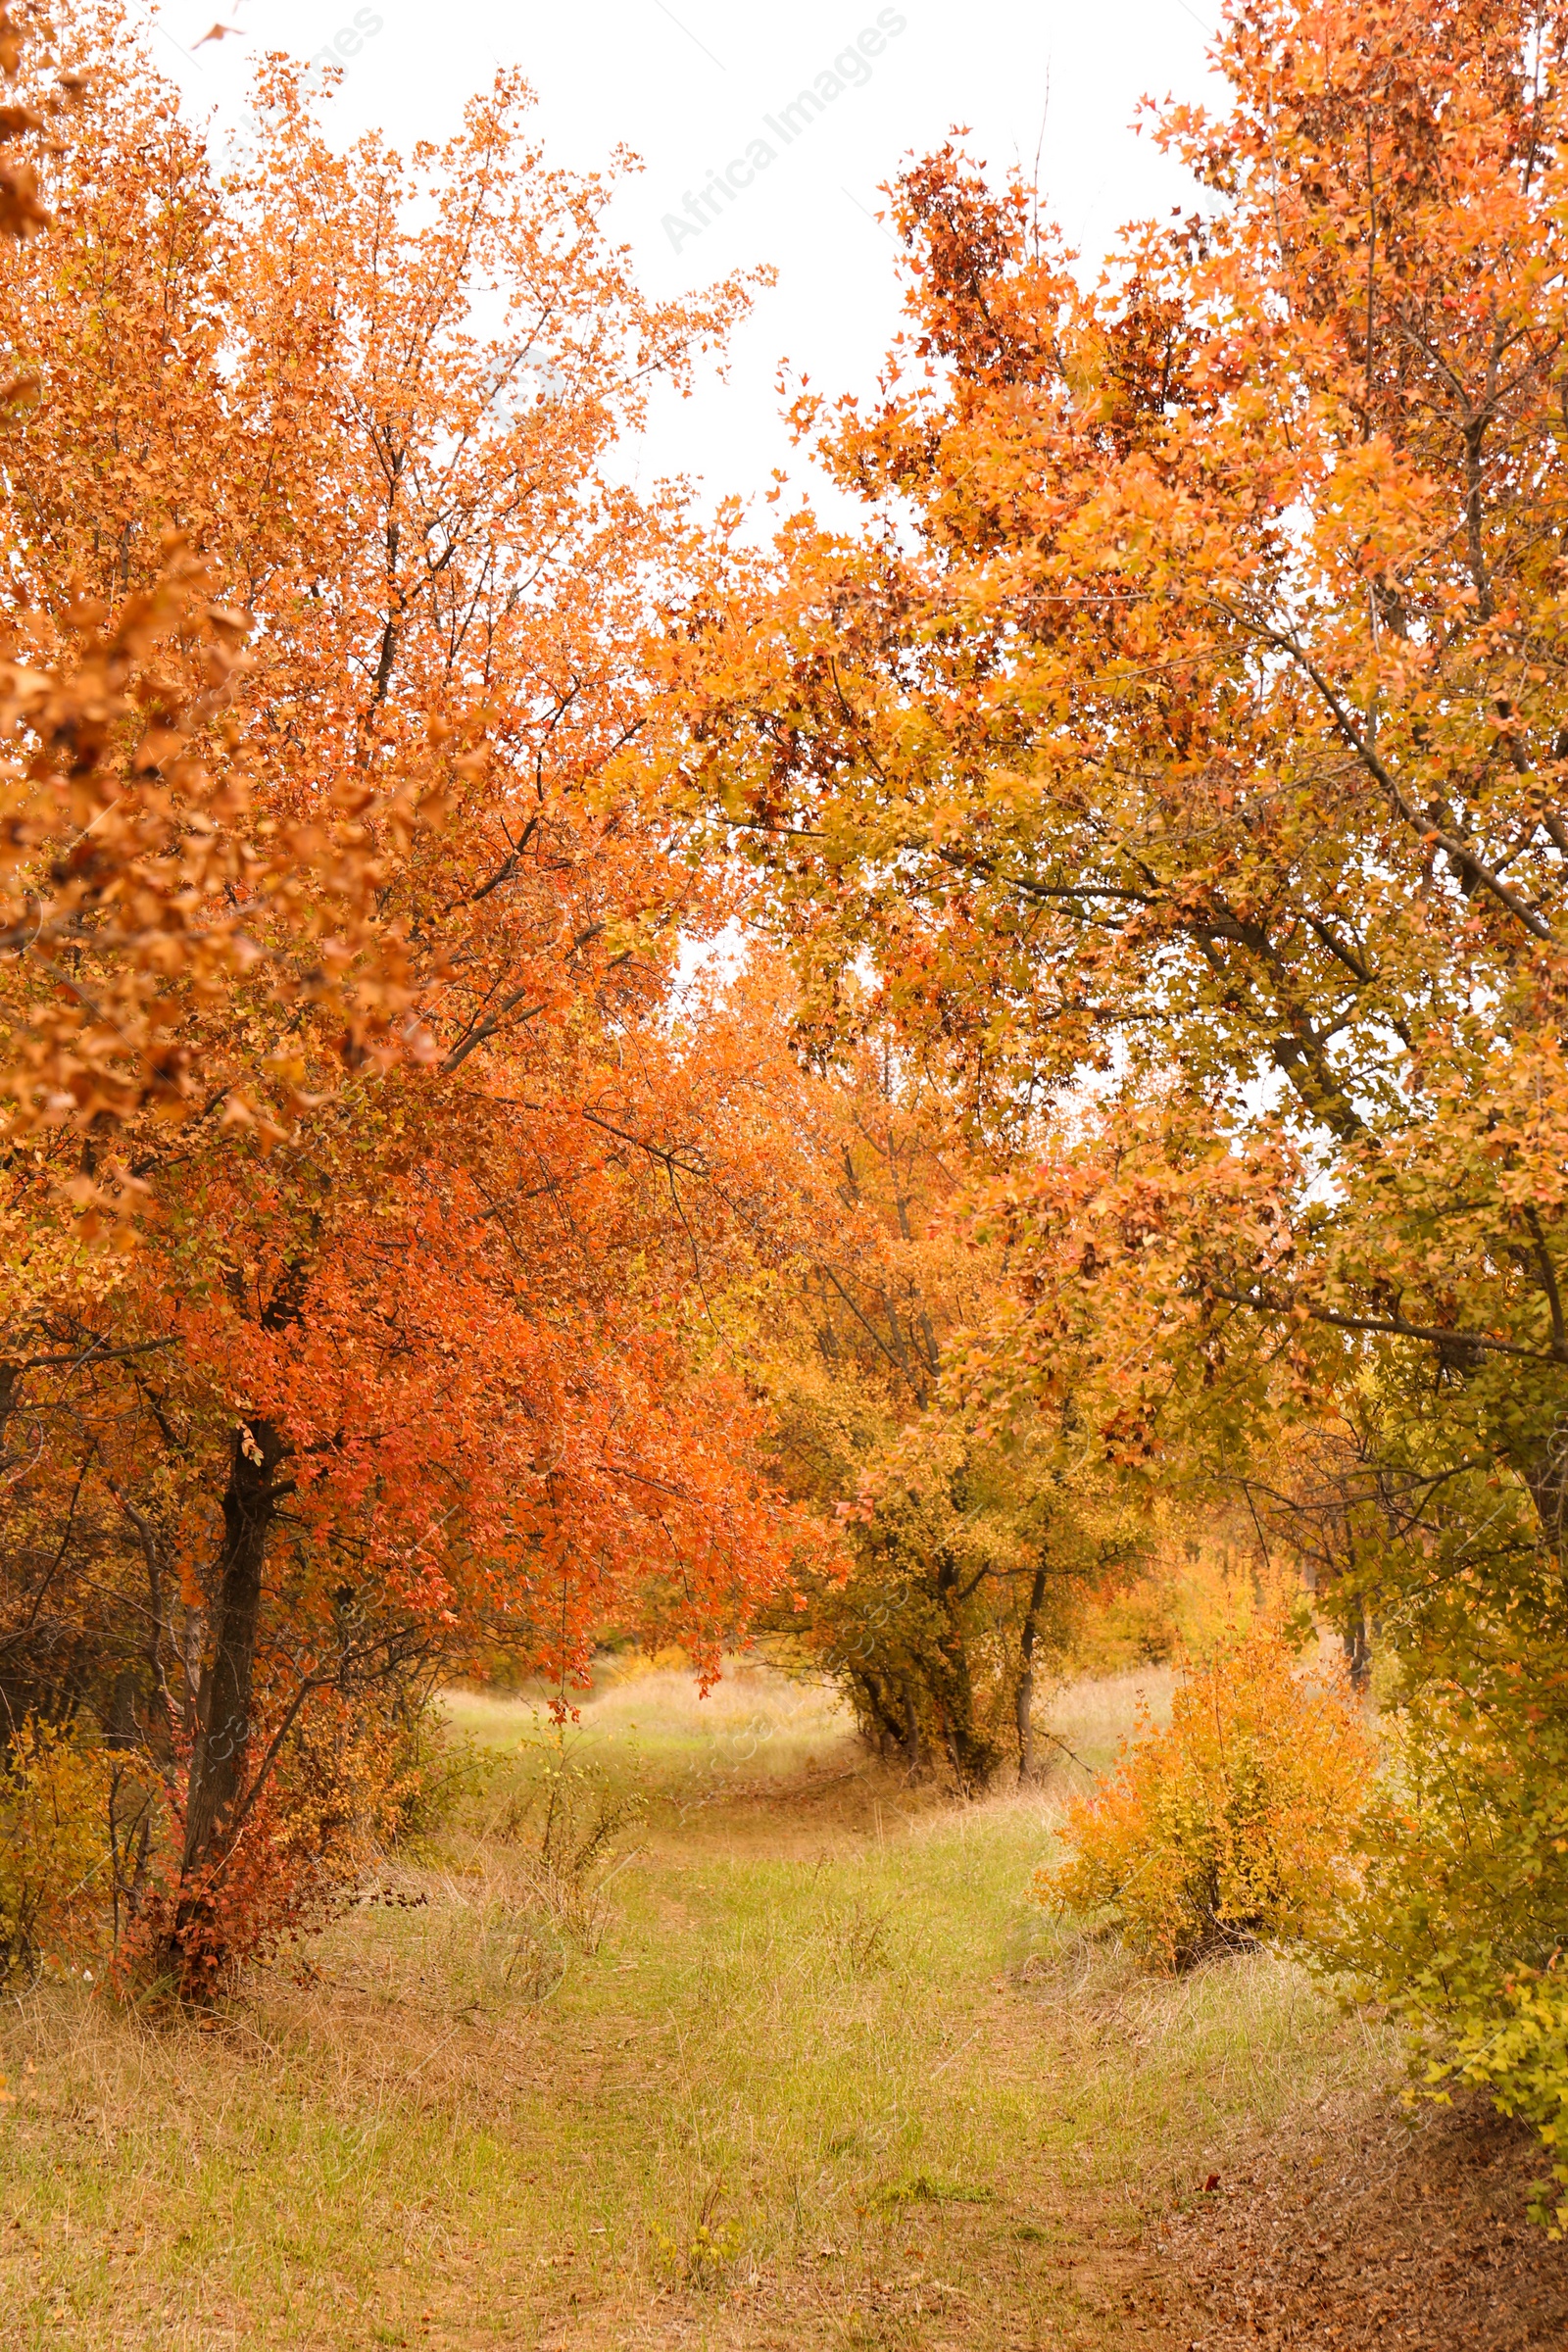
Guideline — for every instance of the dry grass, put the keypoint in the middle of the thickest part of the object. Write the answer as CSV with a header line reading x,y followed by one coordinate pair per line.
x,y
829,2079
692,1757
750,1711
1088,1722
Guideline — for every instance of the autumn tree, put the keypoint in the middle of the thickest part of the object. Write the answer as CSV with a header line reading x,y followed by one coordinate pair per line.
x,y
1192,710
969,1554
338,973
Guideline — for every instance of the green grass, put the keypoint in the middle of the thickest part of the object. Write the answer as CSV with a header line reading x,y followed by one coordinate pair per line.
x,y
829,2069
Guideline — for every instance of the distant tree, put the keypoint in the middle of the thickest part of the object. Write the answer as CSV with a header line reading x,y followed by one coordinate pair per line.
x,y
972,1550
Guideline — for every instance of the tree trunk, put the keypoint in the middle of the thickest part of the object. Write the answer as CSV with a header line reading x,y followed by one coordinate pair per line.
x,y
1547,1477
1026,1678
951,1683
876,1712
955,1759
913,1750
224,1707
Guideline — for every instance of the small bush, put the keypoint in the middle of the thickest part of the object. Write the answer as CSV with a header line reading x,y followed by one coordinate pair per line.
x,y
572,1826
56,1861
1234,1826
440,1778
1458,1926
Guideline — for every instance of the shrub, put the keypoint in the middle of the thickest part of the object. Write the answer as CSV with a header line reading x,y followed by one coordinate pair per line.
x,y
572,1826
438,1776
56,1862
1460,1923
337,1795
1232,1827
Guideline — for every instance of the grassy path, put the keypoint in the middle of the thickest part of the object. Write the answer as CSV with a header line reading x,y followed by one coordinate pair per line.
x,y
829,2079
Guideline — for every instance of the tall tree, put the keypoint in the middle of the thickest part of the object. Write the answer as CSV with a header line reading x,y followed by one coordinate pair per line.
x,y
339,967
1192,703
855,1289
1192,710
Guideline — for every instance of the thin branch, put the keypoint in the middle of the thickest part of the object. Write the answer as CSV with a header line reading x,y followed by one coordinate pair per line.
x,y
1396,1327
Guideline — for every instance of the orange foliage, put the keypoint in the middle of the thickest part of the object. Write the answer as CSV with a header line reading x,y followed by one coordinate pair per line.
x,y
340,976
1236,1825
1191,711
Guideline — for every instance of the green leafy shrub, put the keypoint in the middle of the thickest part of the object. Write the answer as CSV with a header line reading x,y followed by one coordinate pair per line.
x,y
438,1776
1460,1926
573,1829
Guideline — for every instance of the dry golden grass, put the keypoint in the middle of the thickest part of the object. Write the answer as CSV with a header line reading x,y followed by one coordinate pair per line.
x,y
1088,1722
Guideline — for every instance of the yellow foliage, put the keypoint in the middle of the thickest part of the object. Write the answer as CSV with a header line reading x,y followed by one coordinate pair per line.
x,y
1235,1825
633,1665
55,1858
1458,1929
1196,1593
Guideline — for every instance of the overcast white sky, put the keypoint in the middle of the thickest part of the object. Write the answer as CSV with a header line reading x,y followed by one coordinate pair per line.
x,y
689,85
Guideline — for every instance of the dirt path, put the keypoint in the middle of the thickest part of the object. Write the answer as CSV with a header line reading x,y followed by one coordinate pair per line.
x,y
1373,2227
1379,2227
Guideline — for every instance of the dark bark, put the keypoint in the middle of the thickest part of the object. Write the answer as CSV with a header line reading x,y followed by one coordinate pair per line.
x,y
123,1727
877,1708
228,1689
955,1759
947,1676
10,1382
1026,1677
914,1753
1546,1474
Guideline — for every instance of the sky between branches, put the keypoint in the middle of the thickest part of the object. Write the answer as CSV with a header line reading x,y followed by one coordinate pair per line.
x,y
696,87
